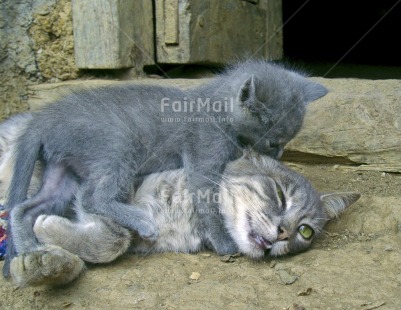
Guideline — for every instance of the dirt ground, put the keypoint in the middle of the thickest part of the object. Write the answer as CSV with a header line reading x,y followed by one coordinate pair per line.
x,y
356,265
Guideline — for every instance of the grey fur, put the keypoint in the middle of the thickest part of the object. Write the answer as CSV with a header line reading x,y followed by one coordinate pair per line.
x,y
10,130
254,215
262,202
105,138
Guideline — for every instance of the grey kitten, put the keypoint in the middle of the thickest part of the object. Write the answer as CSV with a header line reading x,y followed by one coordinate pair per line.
x,y
266,208
104,139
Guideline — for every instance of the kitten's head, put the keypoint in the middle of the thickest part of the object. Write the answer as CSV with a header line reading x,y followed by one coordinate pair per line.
x,y
271,103
270,208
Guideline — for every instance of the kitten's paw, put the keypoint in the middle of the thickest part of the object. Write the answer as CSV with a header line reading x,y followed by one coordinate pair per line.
x,y
143,223
148,230
223,244
51,265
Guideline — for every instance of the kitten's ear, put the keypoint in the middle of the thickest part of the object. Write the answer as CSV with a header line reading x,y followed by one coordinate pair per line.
x,y
335,203
247,93
314,91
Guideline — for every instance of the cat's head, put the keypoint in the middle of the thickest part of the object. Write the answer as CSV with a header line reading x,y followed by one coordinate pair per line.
x,y
271,102
269,208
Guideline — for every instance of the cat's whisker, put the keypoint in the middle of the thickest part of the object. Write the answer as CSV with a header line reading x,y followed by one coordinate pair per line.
x,y
227,179
222,175
219,185
259,219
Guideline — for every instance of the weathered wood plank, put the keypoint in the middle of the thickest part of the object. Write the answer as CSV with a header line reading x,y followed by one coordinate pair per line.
x,y
111,34
172,22
274,29
215,32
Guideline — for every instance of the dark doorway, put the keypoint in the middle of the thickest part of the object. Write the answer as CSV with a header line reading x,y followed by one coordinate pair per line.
x,y
354,34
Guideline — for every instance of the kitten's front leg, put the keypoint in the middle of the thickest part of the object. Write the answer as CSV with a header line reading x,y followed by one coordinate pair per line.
x,y
215,232
204,189
101,199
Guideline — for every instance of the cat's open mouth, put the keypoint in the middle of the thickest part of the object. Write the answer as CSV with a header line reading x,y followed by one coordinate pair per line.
x,y
261,242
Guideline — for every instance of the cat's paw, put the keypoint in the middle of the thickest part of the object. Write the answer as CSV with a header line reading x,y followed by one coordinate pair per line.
x,y
52,266
93,238
47,228
57,230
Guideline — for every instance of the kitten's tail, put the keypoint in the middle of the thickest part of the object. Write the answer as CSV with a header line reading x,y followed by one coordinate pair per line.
x,y
25,155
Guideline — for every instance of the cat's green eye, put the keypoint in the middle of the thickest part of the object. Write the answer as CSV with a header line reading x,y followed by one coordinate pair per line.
x,y
306,231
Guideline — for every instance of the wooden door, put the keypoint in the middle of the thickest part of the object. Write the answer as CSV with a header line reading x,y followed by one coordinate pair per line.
x,y
111,34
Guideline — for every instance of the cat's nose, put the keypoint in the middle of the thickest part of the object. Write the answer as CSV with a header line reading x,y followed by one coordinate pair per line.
x,y
279,152
282,234
275,151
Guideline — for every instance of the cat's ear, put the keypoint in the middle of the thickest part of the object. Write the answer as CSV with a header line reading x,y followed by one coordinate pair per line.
x,y
247,153
314,91
247,93
247,99
335,203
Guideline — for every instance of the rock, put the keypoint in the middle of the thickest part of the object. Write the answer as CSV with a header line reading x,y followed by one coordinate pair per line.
x,y
205,255
306,292
358,122
230,258
272,264
286,278
194,276
375,215
43,94
36,41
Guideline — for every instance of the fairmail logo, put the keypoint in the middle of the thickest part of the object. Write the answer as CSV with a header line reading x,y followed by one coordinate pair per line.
x,y
196,106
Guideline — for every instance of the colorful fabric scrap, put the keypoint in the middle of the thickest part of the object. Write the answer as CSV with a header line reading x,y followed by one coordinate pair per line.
x,y
3,231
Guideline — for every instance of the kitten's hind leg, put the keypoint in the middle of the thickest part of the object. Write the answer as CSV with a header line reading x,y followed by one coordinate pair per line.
x,y
20,237
56,194
57,191
93,238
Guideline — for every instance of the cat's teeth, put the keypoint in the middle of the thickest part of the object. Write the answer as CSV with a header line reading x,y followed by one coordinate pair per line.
x,y
261,242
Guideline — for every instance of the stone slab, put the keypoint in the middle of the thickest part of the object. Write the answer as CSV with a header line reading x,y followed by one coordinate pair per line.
x,y
357,123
